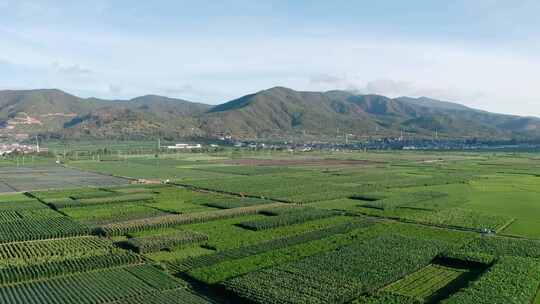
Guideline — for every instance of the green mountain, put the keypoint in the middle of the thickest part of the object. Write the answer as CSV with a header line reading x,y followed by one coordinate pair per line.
x,y
58,114
274,113
281,111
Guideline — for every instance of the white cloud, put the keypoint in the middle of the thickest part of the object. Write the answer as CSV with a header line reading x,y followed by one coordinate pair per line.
x,y
73,70
115,89
501,79
392,88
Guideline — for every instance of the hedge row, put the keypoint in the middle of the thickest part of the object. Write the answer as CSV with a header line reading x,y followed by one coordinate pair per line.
x,y
156,243
289,218
67,203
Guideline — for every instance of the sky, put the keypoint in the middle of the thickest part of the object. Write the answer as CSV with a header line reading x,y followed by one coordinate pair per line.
x,y
482,53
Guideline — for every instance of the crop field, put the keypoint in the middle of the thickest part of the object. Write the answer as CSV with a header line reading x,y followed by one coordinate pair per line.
x,y
14,179
427,283
271,227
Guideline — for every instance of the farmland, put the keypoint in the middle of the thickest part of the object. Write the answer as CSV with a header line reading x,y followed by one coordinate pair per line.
x,y
272,227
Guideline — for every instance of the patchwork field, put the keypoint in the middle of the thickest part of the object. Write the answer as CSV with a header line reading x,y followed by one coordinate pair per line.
x,y
274,228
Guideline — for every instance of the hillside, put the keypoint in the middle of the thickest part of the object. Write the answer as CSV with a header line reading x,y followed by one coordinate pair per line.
x,y
274,113
55,113
279,111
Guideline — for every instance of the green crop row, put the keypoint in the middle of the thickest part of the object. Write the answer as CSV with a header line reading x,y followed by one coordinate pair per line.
x,y
317,186
104,214
236,203
338,276
135,189
155,243
36,251
92,194
451,217
54,227
296,216
423,283
224,270
21,205
101,286
63,193
48,269
175,296
180,219
498,246
404,199
138,197
386,298
9,216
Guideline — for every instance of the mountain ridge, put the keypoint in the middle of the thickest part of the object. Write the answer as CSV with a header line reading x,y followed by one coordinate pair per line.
x,y
277,112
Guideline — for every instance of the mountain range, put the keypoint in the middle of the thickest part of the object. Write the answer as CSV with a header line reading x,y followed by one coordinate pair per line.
x,y
274,113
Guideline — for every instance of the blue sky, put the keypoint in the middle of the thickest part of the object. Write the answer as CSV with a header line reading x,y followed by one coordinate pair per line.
x,y
482,53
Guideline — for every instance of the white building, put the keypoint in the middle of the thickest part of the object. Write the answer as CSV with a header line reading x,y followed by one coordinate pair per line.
x,y
185,146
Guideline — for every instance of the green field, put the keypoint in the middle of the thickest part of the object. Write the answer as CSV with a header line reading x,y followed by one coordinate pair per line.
x,y
426,282
271,227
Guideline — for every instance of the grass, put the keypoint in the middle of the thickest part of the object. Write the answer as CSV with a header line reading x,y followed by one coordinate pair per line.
x,y
513,196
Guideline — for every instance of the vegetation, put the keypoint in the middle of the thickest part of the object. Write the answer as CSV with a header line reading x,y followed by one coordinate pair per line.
x,y
35,227
48,269
338,276
349,227
426,282
404,199
168,241
289,218
180,219
245,251
101,200
91,287
500,246
510,280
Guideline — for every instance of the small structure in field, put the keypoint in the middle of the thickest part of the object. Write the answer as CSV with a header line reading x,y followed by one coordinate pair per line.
x,y
184,147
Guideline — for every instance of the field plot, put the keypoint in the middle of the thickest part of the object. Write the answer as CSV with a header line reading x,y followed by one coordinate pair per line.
x,y
274,227
291,216
103,286
510,280
38,224
15,179
512,195
339,276
428,283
